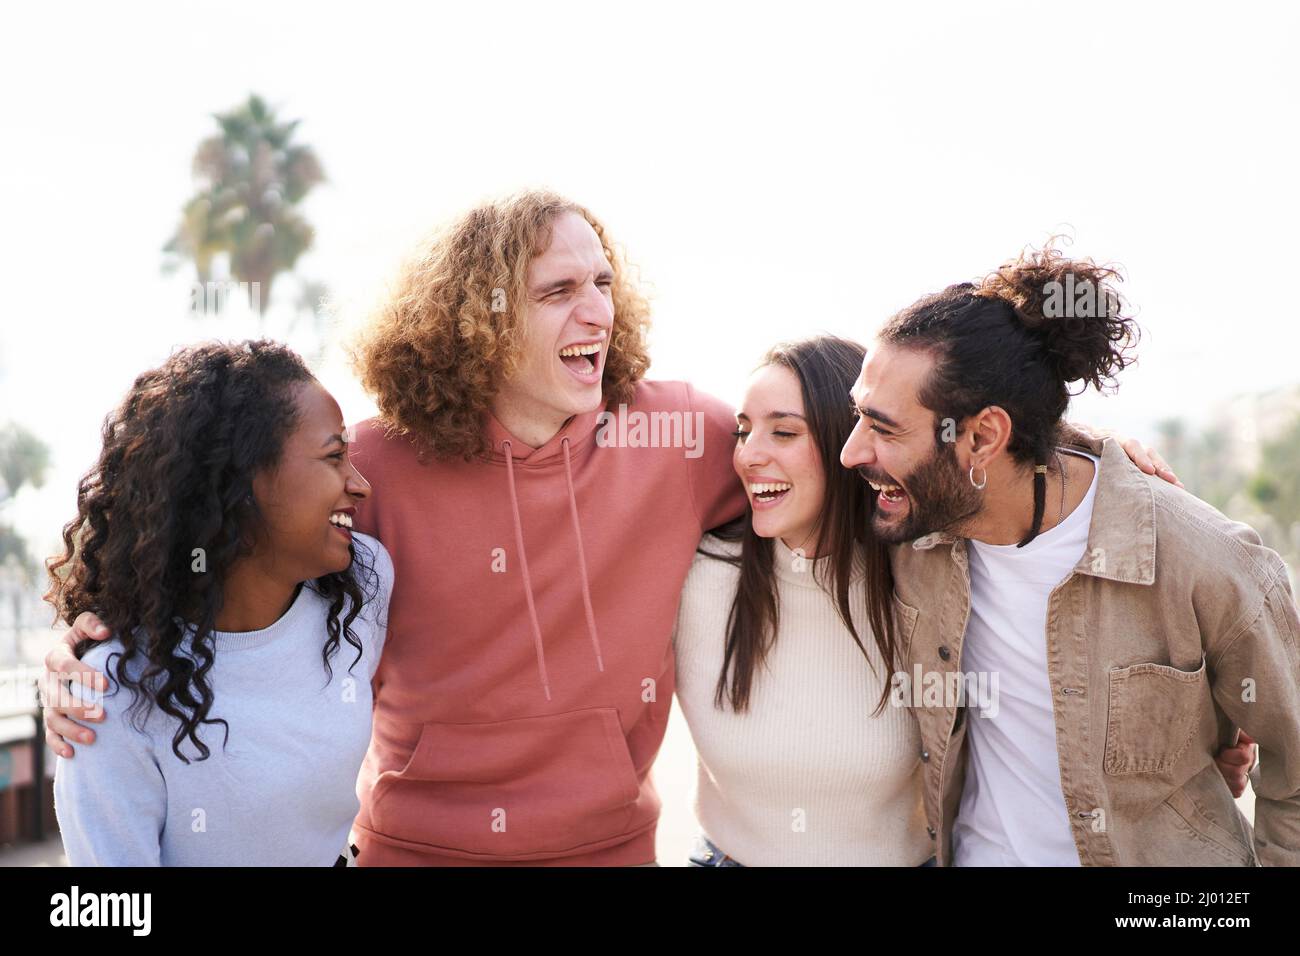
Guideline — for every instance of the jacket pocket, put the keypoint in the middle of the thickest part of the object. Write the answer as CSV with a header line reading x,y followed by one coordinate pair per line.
x,y
1195,820
1151,715
512,789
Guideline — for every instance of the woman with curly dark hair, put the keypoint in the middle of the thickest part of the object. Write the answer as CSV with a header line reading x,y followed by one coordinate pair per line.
x,y
213,540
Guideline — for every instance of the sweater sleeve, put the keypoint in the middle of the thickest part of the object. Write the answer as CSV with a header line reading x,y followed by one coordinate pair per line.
x,y
110,798
716,492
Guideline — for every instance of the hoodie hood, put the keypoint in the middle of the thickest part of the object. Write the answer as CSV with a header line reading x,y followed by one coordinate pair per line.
x,y
577,430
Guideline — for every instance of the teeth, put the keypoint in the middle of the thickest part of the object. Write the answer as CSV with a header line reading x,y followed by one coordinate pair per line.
x,y
886,488
591,349
767,487
341,520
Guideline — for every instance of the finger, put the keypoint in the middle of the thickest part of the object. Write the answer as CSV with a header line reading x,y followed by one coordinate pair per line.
x,y
61,661
1161,466
56,743
1233,775
70,668
1136,452
68,694
69,731
1245,738
89,625
60,655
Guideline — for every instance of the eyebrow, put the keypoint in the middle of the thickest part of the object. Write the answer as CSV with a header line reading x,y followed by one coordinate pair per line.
x,y
339,439
880,417
772,416
875,413
565,283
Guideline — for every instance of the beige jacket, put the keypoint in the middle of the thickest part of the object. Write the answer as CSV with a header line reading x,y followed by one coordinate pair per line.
x,y
1175,628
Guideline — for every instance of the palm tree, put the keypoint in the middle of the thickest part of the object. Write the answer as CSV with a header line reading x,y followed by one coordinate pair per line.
x,y
24,460
251,177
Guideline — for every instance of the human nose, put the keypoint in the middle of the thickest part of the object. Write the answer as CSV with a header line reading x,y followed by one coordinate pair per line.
x,y
753,452
595,308
357,486
860,448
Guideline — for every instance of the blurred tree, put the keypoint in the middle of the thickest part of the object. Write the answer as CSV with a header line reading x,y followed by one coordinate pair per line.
x,y
1203,461
1275,486
251,177
24,459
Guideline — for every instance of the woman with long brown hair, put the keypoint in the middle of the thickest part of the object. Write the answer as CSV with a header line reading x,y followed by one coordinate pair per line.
x,y
785,644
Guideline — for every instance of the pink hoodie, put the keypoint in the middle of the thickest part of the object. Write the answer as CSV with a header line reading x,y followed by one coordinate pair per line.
x,y
527,676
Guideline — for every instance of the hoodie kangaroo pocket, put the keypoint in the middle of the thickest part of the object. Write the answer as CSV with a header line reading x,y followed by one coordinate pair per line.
x,y
512,789
1152,715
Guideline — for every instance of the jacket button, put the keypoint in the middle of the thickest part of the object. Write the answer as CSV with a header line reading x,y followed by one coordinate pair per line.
x,y
945,653
930,830
925,755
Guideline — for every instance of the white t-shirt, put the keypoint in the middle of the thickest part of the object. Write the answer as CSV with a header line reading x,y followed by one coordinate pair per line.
x,y
1012,810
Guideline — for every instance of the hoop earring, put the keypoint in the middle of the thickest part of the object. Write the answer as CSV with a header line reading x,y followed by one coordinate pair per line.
x,y
983,482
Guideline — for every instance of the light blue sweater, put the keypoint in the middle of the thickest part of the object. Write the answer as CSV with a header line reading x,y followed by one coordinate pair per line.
x,y
282,792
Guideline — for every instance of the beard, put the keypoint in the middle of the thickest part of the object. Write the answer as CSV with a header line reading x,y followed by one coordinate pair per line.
x,y
940,497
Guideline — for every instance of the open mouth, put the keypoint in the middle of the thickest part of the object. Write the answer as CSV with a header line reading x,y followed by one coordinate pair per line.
x,y
768,493
581,360
889,498
342,522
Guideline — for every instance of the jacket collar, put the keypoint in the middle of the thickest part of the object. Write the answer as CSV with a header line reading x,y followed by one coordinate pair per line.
x,y
1122,533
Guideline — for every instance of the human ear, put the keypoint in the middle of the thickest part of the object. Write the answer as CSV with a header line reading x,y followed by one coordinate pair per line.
x,y
988,435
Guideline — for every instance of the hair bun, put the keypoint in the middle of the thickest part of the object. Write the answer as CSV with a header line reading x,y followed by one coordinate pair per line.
x,y
1074,306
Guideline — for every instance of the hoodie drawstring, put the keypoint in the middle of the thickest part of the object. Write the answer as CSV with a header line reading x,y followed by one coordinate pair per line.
x,y
582,559
523,564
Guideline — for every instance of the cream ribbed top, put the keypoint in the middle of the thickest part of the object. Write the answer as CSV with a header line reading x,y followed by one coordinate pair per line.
x,y
807,777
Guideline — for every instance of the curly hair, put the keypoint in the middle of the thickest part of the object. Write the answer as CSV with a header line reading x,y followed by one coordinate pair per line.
x,y
437,350
175,474
1017,338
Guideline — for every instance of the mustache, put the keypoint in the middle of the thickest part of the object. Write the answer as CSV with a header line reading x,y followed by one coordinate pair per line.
x,y
866,475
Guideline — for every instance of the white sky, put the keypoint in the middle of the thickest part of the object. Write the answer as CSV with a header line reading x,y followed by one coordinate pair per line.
x,y
775,171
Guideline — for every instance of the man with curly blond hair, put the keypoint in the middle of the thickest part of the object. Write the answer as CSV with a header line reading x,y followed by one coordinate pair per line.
x,y
541,533
541,504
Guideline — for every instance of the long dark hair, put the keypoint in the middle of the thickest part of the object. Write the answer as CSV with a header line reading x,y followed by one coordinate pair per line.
x,y
175,474
826,367
1016,339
